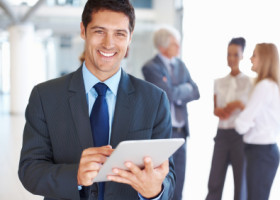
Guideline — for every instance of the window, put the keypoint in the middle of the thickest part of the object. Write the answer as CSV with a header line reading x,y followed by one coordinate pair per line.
x,y
142,3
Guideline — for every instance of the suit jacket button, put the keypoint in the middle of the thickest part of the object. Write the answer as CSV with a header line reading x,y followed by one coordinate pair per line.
x,y
94,193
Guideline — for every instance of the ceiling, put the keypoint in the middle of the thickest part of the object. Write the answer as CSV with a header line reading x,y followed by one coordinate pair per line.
x,y
62,19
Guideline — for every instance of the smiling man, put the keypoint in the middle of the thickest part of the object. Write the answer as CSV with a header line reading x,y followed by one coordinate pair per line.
x,y
73,123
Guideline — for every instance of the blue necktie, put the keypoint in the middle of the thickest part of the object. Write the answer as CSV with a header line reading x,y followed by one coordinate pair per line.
x,y
99,121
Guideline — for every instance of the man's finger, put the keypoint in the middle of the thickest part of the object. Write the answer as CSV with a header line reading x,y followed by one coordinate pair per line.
x,y
105,150
99,158
149,167
119,179
164,167
133,168
123,173
88,178
91,166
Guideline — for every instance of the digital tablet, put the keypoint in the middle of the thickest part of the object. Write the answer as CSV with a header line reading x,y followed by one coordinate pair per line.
x,y
135,151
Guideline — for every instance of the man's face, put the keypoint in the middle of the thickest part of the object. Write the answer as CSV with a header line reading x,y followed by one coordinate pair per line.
x,y
173,49
107,38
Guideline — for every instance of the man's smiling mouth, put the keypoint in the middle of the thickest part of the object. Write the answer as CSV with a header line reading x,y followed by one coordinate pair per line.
x,y
107,54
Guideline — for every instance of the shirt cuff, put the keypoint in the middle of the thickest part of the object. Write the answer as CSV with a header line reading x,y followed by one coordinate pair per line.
x,y
80,187
190,86
179,102
156,198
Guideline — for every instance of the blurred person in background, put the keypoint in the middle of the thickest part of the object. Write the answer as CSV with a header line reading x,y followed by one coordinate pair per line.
x,y
231,93
259,123
169,73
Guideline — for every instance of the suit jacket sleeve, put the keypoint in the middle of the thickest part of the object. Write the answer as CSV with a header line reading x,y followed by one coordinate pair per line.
x,y
153,73
37,170
163,129
194,93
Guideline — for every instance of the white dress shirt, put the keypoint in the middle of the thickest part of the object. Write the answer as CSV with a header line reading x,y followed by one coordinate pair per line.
x,y
111,96
260,120
228,89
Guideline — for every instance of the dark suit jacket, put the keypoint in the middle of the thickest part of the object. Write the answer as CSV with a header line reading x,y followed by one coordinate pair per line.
x,y
156,72
57,130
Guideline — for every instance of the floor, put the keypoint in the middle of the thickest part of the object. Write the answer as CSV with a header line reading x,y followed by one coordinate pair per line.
x,y
200,147
10,144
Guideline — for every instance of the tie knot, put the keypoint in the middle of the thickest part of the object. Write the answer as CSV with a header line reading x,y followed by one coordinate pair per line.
x,y
101,89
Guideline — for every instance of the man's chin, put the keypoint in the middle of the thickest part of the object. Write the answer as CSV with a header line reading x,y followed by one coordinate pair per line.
x,y
109,69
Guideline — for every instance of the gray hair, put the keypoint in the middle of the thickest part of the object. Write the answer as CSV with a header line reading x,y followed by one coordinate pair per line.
x,y
163,34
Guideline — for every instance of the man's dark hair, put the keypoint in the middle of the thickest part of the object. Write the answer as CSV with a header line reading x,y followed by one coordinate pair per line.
x,y
123,6
238,41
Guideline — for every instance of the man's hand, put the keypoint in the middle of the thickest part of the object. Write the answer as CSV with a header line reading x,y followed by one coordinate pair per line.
x,y
148,182
91,162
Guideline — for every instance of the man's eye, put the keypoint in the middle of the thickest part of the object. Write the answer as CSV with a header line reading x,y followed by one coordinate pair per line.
x,y
99,32
121,34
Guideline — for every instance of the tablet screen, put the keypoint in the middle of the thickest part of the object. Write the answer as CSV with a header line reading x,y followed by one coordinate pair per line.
x,y
135,151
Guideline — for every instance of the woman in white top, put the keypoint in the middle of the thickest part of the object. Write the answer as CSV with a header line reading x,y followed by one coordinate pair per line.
x,y
260,123
230,95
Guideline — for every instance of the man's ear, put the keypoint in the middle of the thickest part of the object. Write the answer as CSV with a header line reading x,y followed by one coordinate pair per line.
x,y
161,49
130,38
83,31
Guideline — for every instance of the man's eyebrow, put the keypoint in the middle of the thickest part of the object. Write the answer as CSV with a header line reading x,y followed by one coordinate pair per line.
x,y
103,28
122,30
97,27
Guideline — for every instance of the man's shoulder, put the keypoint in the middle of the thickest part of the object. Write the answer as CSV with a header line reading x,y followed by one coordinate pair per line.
x,y
146,93
179,60
143,86
57,81
57,84
153,62
180,63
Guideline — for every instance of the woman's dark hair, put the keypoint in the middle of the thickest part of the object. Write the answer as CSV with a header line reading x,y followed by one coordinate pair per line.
x,y
238,41
123,6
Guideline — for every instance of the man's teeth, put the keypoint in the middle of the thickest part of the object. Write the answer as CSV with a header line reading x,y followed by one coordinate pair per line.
x,y
107,54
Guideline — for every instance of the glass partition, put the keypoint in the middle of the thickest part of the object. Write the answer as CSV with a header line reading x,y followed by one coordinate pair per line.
x,y
4,63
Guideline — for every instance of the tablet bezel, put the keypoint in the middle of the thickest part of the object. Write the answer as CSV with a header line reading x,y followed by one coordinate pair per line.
x,y
135,150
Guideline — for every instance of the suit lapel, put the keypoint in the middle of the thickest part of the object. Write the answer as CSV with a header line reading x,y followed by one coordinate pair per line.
x,y
78,105
123,110
162,67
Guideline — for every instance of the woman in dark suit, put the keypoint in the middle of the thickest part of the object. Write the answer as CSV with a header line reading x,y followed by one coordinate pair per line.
x,y
230,95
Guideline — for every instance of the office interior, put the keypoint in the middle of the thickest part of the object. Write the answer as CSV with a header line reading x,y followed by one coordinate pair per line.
x,y
40,40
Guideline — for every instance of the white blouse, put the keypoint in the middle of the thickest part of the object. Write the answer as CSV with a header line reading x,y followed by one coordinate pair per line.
x,y
228,89
260,120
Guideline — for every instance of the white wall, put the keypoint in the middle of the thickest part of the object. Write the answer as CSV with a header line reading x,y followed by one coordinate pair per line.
x,y
164,11
208,27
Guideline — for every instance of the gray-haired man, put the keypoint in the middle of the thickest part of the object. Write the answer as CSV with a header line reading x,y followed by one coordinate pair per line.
x,y
169,73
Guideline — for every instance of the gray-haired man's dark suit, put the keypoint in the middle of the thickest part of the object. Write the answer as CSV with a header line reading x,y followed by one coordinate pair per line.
x,y
179,94
57,130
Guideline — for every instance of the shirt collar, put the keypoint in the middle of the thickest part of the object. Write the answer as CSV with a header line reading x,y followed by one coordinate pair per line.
x,y
237,76
90,80
166,60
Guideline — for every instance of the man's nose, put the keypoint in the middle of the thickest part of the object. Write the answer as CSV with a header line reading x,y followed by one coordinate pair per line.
x,y
108,41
